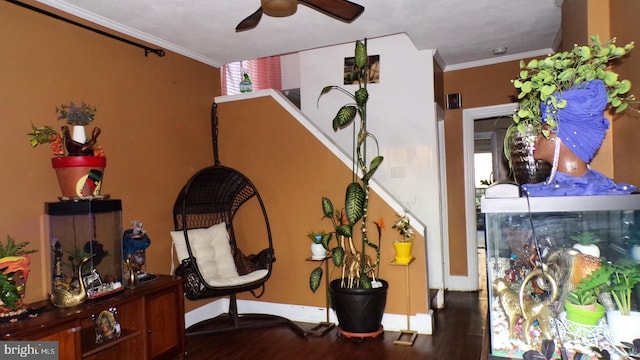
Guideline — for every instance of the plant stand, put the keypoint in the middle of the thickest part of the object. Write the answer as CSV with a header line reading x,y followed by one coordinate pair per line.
x,y
323,327
406,337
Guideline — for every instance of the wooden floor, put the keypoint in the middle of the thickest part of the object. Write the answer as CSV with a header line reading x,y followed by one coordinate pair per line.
x,y
458,335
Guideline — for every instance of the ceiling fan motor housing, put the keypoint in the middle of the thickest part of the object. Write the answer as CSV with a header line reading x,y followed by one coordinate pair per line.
x,y
279,8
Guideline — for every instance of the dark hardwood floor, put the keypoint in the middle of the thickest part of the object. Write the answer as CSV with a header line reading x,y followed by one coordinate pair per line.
x,y
458,335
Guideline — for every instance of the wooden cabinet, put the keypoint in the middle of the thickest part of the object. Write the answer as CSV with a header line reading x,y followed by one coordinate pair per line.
x,y
151,319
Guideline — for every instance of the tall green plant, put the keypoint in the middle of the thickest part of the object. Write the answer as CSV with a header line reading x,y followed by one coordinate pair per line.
x,y
357,268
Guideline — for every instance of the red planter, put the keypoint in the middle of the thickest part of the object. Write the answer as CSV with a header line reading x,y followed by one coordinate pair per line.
x,y
80,176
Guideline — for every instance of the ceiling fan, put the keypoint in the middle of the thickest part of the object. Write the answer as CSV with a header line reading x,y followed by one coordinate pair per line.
x,y
342,10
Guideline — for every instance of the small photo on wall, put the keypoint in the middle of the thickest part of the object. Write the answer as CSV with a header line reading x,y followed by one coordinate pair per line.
x,y
373,66
454,101
107,325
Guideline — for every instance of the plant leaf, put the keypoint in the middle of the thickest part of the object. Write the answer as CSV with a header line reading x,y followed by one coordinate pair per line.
x,y
337,256
354,202
327,208
315,278
344,117
375,164
362,95
360,54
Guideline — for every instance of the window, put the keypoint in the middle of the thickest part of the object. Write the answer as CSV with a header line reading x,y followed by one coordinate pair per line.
x,y
264,73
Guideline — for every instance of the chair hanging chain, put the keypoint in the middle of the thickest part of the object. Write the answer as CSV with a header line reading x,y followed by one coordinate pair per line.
x,y
214,133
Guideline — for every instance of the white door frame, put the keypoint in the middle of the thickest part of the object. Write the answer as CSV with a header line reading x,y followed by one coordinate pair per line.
x,y
471,282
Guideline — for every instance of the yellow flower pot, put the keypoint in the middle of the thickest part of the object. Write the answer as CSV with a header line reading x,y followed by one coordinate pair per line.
x,y
403,251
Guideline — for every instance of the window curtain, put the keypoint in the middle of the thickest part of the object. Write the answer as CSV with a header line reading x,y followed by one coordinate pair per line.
x,y
264,73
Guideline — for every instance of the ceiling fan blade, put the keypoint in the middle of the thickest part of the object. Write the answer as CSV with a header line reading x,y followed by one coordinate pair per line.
x,y
250,21
340,9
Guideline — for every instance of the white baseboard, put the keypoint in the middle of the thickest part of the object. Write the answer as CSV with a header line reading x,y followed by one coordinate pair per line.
x,y
422,323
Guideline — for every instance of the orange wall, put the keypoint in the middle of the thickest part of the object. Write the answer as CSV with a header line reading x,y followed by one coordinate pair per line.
x,y
293,171
482,86
154,113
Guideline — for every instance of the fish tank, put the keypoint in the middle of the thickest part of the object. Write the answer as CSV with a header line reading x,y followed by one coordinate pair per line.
x,y
530,246
86,247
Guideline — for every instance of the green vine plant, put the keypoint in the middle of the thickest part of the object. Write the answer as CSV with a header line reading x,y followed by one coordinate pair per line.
x,y
539,81
358,269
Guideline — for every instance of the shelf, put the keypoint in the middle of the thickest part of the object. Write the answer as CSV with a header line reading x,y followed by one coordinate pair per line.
x,y
89,346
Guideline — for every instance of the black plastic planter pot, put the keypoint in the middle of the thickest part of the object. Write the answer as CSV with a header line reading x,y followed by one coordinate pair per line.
x,y
359,310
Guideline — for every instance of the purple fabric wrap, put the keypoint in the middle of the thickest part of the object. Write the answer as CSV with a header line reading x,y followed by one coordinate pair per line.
x,y
581,124
592,183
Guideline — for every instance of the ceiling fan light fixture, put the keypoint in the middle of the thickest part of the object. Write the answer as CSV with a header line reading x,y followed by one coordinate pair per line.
x,y
279,8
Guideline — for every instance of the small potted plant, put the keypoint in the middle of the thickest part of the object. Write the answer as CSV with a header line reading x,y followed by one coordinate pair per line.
x,y
616,282
581,304
319,241
14,272
587,243
78,117
403,245
79,164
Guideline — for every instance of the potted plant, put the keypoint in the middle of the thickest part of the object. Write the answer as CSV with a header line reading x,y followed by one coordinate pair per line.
x,y
318,250
587,243
78,117
616,282
581,304
359,296
403,245
14,272
543,81
79,164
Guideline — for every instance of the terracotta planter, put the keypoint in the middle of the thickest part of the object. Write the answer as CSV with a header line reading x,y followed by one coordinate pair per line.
x,y
403,251
80,176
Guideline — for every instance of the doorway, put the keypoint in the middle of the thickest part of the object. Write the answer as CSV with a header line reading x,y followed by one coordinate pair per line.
x,y
469,116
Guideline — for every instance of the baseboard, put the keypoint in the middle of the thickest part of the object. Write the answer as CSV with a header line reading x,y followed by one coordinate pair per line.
x,y
422,323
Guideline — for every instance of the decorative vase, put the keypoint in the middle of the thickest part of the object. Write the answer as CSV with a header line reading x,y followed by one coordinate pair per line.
x,y
403,251
583,314
79,134
359,311
526,169
80,176
623,327
318,252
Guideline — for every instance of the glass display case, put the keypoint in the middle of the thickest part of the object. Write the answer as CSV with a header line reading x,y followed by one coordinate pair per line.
x,y
89,232
530,247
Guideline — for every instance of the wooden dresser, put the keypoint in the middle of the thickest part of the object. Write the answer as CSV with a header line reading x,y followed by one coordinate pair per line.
x,y
151,319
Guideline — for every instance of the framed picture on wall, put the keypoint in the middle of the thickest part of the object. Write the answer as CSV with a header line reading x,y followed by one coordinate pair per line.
x,y
373,65
454,101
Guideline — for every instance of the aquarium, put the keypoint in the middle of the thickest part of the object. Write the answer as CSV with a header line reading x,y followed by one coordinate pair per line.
x,y
89,232
531,248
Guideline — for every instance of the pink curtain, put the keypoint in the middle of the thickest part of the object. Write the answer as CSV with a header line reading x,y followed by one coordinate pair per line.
x,y
264,73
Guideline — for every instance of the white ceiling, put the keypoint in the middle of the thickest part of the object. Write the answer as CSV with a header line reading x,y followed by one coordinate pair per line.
x,y
464,32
